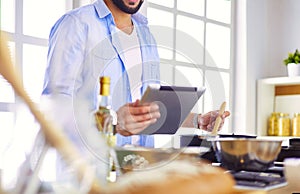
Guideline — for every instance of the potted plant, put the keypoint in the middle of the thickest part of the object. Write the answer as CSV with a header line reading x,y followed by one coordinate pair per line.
x,y
292,63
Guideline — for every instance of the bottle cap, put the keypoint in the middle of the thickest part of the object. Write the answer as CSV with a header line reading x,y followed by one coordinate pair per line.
x,y
105,85
105,80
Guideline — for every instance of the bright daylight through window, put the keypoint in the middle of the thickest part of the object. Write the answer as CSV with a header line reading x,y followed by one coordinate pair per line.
x,y
195,50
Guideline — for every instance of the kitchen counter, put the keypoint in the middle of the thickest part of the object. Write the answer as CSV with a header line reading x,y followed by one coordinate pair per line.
x,y
284,190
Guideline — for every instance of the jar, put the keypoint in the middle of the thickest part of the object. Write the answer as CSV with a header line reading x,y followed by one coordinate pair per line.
x,y
296,125
283,124
273,124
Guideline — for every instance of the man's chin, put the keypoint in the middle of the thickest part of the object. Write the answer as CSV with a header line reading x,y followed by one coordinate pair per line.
x,y
130,9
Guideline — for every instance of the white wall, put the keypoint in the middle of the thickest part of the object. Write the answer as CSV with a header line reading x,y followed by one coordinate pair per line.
x,y
284,32
273,30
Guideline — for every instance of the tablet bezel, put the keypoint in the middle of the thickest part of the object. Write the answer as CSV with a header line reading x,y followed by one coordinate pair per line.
x,y
167,97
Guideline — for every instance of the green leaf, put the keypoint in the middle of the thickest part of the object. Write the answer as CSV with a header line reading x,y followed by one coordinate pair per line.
x,y
297,59
292,57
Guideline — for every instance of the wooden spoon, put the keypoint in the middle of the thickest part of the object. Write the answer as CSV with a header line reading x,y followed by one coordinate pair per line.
x,y
218,119
53,135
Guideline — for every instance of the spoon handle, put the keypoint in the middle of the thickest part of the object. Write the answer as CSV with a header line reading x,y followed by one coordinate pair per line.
x,y
218,119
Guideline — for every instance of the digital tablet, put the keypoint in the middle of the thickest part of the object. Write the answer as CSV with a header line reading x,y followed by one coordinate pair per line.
x,y
175,103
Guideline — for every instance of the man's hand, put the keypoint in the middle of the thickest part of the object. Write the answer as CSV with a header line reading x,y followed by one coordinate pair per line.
x,y
207,121
135,117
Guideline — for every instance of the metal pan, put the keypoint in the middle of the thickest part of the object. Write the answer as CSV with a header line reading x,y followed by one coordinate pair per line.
x,y
246,153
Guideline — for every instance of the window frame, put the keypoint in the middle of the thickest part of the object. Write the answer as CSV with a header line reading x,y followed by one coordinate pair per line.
x,y
203,67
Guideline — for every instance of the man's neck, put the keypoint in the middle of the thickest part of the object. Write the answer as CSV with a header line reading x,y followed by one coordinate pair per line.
x,y
122,19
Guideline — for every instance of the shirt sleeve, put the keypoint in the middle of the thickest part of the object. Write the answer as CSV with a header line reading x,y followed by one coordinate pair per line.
x,y
65,56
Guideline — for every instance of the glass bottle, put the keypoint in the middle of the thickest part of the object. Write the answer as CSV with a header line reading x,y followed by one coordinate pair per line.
x,y
296,125
273,124
103,117
283,124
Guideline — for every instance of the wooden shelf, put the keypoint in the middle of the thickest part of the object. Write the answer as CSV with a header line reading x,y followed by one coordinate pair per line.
x,y
267,90
287,90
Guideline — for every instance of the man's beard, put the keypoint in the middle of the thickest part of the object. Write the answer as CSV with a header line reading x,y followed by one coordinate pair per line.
x,y
121,5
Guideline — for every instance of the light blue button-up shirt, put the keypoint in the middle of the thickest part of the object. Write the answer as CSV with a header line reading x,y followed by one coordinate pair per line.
x,y
82,47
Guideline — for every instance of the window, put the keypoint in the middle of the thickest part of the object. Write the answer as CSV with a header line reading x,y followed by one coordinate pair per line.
x,y
194,40
27,24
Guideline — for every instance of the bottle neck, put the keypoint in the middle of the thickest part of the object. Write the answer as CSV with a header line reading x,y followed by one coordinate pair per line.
x,y
104,101
104,86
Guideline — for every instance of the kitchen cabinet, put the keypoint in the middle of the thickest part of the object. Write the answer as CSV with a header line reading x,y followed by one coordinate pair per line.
x,y
277,94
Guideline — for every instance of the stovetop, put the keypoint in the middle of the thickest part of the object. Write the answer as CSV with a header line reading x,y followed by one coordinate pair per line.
x,y
271,179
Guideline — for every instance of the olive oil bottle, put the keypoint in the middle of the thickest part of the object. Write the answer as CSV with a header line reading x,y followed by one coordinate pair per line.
x,y
103,117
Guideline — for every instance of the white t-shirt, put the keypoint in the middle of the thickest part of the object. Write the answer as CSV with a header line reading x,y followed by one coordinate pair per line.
x,y
132,60
130,49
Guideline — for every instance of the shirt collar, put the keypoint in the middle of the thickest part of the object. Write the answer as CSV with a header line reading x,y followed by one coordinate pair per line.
x,y
103,11
140,18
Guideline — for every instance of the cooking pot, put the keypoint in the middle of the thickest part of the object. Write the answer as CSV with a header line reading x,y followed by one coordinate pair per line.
x,y
246,153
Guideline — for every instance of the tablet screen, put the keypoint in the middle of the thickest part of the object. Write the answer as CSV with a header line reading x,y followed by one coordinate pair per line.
x,y
175,103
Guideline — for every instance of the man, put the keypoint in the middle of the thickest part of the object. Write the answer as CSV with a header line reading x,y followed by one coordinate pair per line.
x,y
92,41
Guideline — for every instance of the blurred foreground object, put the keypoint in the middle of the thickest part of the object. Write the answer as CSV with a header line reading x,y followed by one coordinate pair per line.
x,y
176,177
54,136
291,171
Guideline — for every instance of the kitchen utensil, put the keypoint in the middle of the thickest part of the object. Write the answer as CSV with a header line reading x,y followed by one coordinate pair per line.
x,y
53,135
246,153
213,134
218,119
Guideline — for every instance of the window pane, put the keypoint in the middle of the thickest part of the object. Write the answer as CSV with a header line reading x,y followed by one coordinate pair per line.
x,y
165,53
167,3
6,91
40,16
217,91
34,64
191,77
188,76
218,46
191,47
219,10
166,74
160,18
161,25
191,6
7,15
